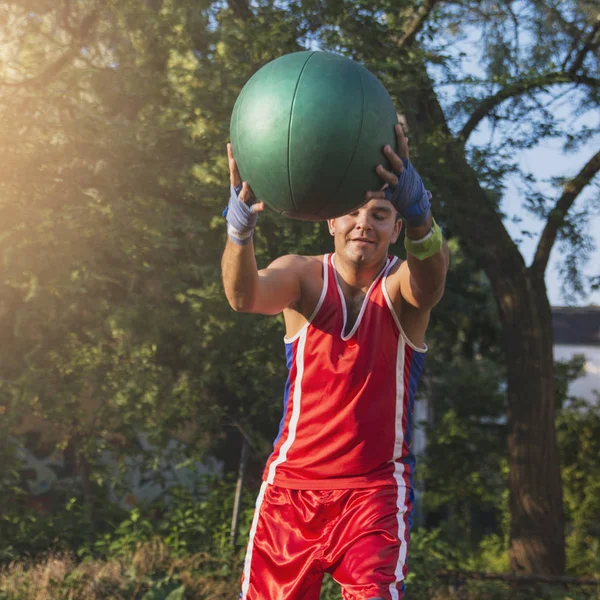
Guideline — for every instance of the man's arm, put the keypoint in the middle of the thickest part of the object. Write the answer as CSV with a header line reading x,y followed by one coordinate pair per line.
x,y
422,281
270,290
423,274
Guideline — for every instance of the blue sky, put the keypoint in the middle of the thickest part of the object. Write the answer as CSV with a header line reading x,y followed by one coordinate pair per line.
x,y
544,162
547,161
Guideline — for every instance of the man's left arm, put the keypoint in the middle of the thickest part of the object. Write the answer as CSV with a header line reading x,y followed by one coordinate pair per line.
x,y
423,274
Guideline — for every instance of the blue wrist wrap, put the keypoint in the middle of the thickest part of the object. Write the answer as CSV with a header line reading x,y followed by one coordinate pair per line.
x,y
241,219
409,196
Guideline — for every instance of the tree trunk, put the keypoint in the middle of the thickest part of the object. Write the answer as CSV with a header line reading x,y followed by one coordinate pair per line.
x,y
88,492
537,541
537,516
84,472
239,490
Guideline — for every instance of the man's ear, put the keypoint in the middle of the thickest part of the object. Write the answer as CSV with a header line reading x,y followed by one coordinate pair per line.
x,y
331,226
397,230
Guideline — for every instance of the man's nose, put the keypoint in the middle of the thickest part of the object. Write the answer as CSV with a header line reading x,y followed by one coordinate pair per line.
x,y
362,220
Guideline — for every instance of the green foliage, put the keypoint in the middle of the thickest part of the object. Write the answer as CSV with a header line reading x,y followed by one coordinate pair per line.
x,y
185,524
173,592
567,371
466,444
579,437
114,316
25,531
468,434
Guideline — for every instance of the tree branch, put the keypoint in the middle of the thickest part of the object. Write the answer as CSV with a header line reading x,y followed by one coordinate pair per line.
x,y
416,24
557,216
66,17
457,575
517,89
81,38
46,75
589,44
568,26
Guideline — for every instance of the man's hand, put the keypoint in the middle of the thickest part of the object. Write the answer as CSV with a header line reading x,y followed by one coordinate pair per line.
x,y
403,186
242,211
244,192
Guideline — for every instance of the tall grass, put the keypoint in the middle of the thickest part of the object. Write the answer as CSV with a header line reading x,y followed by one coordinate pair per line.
x,y
153,572
150,572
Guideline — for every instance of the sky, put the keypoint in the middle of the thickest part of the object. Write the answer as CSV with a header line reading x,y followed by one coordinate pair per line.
x,y
546,161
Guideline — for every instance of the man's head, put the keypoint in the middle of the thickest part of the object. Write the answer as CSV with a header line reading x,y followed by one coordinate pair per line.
x,y
363,236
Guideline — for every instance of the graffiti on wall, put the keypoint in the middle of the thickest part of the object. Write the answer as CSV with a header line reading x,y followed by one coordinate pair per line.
x,y
47,473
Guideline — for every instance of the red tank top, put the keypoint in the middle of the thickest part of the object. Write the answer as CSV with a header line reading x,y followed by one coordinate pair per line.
x,y
349,398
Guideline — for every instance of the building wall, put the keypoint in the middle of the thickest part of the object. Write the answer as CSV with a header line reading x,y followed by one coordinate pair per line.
x,y
47,473
420,418
584,386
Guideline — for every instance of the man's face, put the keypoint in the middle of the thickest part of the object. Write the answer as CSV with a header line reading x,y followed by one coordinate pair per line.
x,y
363,236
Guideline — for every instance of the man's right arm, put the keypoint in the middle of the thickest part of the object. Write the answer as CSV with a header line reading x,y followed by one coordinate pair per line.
x,y
268,291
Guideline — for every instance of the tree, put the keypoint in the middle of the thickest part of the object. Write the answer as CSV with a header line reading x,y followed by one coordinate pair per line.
x,y
114,124
90,235
531,53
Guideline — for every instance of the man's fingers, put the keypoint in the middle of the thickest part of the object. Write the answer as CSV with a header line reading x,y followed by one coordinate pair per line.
x,y
394,159
402,141
387,176
247,195
234,175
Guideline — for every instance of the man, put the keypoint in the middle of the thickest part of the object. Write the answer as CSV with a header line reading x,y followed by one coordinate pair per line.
x,y
337,490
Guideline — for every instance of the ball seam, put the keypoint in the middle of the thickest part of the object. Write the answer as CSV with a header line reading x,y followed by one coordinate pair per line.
x,y
359,136
289,169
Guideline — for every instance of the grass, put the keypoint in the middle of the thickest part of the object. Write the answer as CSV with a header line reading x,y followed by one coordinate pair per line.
x,y
152,572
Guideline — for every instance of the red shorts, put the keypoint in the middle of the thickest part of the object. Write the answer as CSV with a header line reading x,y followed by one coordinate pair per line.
x,y
360,536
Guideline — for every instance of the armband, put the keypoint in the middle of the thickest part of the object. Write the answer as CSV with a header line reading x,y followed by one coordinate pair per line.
x,y
427,246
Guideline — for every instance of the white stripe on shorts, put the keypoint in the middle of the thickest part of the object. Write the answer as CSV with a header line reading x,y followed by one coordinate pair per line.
x,y
248,560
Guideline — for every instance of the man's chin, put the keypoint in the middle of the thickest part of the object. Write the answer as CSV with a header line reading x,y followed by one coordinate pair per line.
x,y
359,255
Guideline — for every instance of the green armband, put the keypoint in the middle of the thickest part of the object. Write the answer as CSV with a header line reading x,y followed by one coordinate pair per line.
x,y
427,246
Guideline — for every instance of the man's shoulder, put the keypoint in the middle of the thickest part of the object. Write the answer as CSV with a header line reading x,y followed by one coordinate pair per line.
x,y
297,262
397,264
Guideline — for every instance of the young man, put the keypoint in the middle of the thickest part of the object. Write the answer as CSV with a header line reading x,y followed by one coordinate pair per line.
x,y
337,490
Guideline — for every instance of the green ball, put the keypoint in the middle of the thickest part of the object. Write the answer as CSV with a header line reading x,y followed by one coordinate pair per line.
x,y
307,132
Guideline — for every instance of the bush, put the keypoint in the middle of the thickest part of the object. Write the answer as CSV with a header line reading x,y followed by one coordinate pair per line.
x,y
186,524
25,531
578,430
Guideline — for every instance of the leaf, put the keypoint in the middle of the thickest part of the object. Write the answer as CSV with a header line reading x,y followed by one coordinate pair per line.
x,y
177,594
160,593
